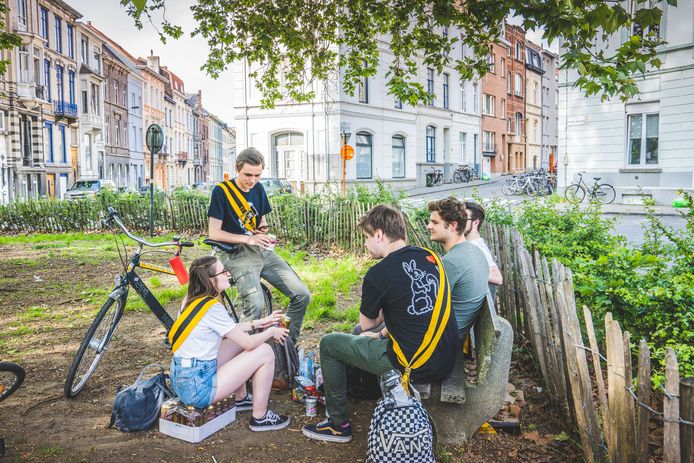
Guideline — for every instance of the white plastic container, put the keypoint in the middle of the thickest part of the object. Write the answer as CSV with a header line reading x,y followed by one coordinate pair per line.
x,y
195,434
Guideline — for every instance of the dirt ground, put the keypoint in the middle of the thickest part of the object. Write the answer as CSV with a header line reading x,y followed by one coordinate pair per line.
x,y
40,425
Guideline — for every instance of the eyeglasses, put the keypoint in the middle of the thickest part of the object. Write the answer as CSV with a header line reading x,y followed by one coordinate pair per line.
x,y
224,270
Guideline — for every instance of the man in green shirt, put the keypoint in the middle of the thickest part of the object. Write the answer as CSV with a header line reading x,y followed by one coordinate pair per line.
x,y
466,267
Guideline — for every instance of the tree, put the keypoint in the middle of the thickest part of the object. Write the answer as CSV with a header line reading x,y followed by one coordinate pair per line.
x,y
8,40
305,40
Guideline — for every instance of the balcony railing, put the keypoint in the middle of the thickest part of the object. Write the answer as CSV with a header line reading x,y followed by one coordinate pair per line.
x,y
63,108
93,119
489,148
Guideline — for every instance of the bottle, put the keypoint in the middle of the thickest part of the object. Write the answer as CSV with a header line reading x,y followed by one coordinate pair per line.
x,y
309,367
392,389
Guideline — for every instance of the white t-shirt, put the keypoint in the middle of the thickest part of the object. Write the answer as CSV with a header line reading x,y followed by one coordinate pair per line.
x,y
203,341
479,242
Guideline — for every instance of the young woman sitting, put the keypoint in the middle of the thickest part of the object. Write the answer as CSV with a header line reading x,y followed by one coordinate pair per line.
x,y
214,356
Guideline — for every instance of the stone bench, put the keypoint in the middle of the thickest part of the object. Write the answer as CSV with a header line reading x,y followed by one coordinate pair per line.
x,y
457,407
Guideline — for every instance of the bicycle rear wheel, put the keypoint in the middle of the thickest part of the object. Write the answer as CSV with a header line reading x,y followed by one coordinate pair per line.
x,y
94,345
11,377
457,177
575,193
508,188
605,193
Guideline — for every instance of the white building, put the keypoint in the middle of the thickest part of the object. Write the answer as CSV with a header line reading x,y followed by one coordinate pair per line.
x,y
393,141
646,143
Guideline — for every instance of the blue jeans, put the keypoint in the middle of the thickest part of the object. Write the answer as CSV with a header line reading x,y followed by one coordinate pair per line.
x,y
194,381
248,264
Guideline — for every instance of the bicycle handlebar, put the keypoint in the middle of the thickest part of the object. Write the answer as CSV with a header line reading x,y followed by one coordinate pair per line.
x,y
113,216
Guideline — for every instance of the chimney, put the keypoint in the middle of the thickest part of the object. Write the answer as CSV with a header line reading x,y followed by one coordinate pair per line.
x,y
153,62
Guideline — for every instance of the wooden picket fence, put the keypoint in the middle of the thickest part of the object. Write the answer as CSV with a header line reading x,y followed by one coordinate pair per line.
x,y
537,298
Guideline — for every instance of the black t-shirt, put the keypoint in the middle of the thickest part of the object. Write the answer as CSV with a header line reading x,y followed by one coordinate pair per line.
x,y
221,209
404,284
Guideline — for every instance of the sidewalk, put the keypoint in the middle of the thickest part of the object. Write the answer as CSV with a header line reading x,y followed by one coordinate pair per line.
x,y
413,192
638,209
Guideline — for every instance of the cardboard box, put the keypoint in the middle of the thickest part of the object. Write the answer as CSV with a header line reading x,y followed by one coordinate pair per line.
x,y
195,434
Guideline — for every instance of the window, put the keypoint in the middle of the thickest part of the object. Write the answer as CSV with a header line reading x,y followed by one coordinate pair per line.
x,y
502,67
63,144
445,36
60,83
84,50
503,108
363,154
117,131
398,156
490,62
643,139
363,86
58,35
25,140
463,150
96,107
71,86
22,14
397,104
488,107
70,41
48,139
463,97
508,83
535,93
519,51
23,63
431,143
519,85
85,100
47,78
519,121
44,24
488,142
97,62
116,88
445,91
475,98
430,85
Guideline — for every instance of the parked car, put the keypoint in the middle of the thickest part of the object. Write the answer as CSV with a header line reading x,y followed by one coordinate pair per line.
x,y
87,188
200,186
276,186
144,190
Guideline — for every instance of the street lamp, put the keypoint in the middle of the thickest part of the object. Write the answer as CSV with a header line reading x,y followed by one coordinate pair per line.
x,y
155,140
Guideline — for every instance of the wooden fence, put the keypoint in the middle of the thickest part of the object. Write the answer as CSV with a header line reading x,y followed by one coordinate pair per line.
x,y
537,297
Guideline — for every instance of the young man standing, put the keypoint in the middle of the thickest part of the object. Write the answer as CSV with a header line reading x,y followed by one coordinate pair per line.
x,y
475,215
465,264
237,216
402,290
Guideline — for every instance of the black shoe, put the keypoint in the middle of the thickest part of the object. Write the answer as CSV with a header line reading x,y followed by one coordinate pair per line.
x,y
326,431
245,404
270,422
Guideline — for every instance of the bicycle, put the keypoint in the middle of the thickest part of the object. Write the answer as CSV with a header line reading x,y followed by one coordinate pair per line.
x,y
602,192
11,377
99,335
435,177
463,173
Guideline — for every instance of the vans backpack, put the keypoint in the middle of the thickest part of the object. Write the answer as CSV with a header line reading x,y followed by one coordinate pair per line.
x,y
400,434
138,406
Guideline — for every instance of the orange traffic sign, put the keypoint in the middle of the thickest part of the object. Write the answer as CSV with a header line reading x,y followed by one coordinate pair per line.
x,y
347,152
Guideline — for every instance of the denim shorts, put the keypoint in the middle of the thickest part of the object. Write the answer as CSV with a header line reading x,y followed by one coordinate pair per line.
x,y
194,381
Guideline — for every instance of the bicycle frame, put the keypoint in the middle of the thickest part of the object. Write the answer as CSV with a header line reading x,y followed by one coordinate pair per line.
x,y
131,278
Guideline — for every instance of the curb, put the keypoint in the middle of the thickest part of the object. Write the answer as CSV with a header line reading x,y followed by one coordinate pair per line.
x,y
414,192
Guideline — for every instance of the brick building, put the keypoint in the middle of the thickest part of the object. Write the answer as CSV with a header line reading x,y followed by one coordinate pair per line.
x,y
515,103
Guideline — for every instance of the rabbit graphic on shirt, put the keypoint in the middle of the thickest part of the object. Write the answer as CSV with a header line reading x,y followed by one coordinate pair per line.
x,y
423,285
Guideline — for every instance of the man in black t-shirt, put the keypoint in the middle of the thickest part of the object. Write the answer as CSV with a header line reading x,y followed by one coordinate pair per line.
x,y
237,215
402,291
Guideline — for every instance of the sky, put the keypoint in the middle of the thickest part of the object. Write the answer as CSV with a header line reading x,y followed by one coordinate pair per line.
x,y
184,56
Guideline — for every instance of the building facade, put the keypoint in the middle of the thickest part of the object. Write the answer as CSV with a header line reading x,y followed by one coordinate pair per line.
x,y
229,150
515,104
153,95
550,109
533,105
494,109
117,162
393,141
644,145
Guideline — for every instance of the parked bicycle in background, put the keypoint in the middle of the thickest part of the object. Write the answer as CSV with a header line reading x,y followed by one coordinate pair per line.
x,y
601,192
538,182
463,173
435,177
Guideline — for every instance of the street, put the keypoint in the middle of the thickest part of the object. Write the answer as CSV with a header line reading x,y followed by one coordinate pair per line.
x,y
627,222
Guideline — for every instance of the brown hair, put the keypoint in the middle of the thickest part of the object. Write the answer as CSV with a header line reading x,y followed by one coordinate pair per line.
x,y
385,218
200,283
450,210
249,156
476,212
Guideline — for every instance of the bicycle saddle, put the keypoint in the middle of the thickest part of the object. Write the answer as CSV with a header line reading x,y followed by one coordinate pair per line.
x,y
596,178
226,247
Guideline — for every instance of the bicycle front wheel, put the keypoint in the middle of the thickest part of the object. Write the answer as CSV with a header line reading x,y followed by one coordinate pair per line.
x,y
11,377
457,178
575,193
94,346
605,193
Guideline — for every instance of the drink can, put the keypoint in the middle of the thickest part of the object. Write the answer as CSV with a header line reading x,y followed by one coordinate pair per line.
x,y
285,321
311,406
274,241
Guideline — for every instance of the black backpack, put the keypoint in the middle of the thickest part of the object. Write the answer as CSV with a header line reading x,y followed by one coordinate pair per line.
x,y
137,406
286,364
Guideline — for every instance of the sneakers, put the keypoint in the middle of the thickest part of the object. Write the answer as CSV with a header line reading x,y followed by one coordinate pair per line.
x,y
328,432
270,422
245,404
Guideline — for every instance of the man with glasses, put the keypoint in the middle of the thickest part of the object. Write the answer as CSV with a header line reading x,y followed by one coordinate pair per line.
x,y
475,215
237,216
